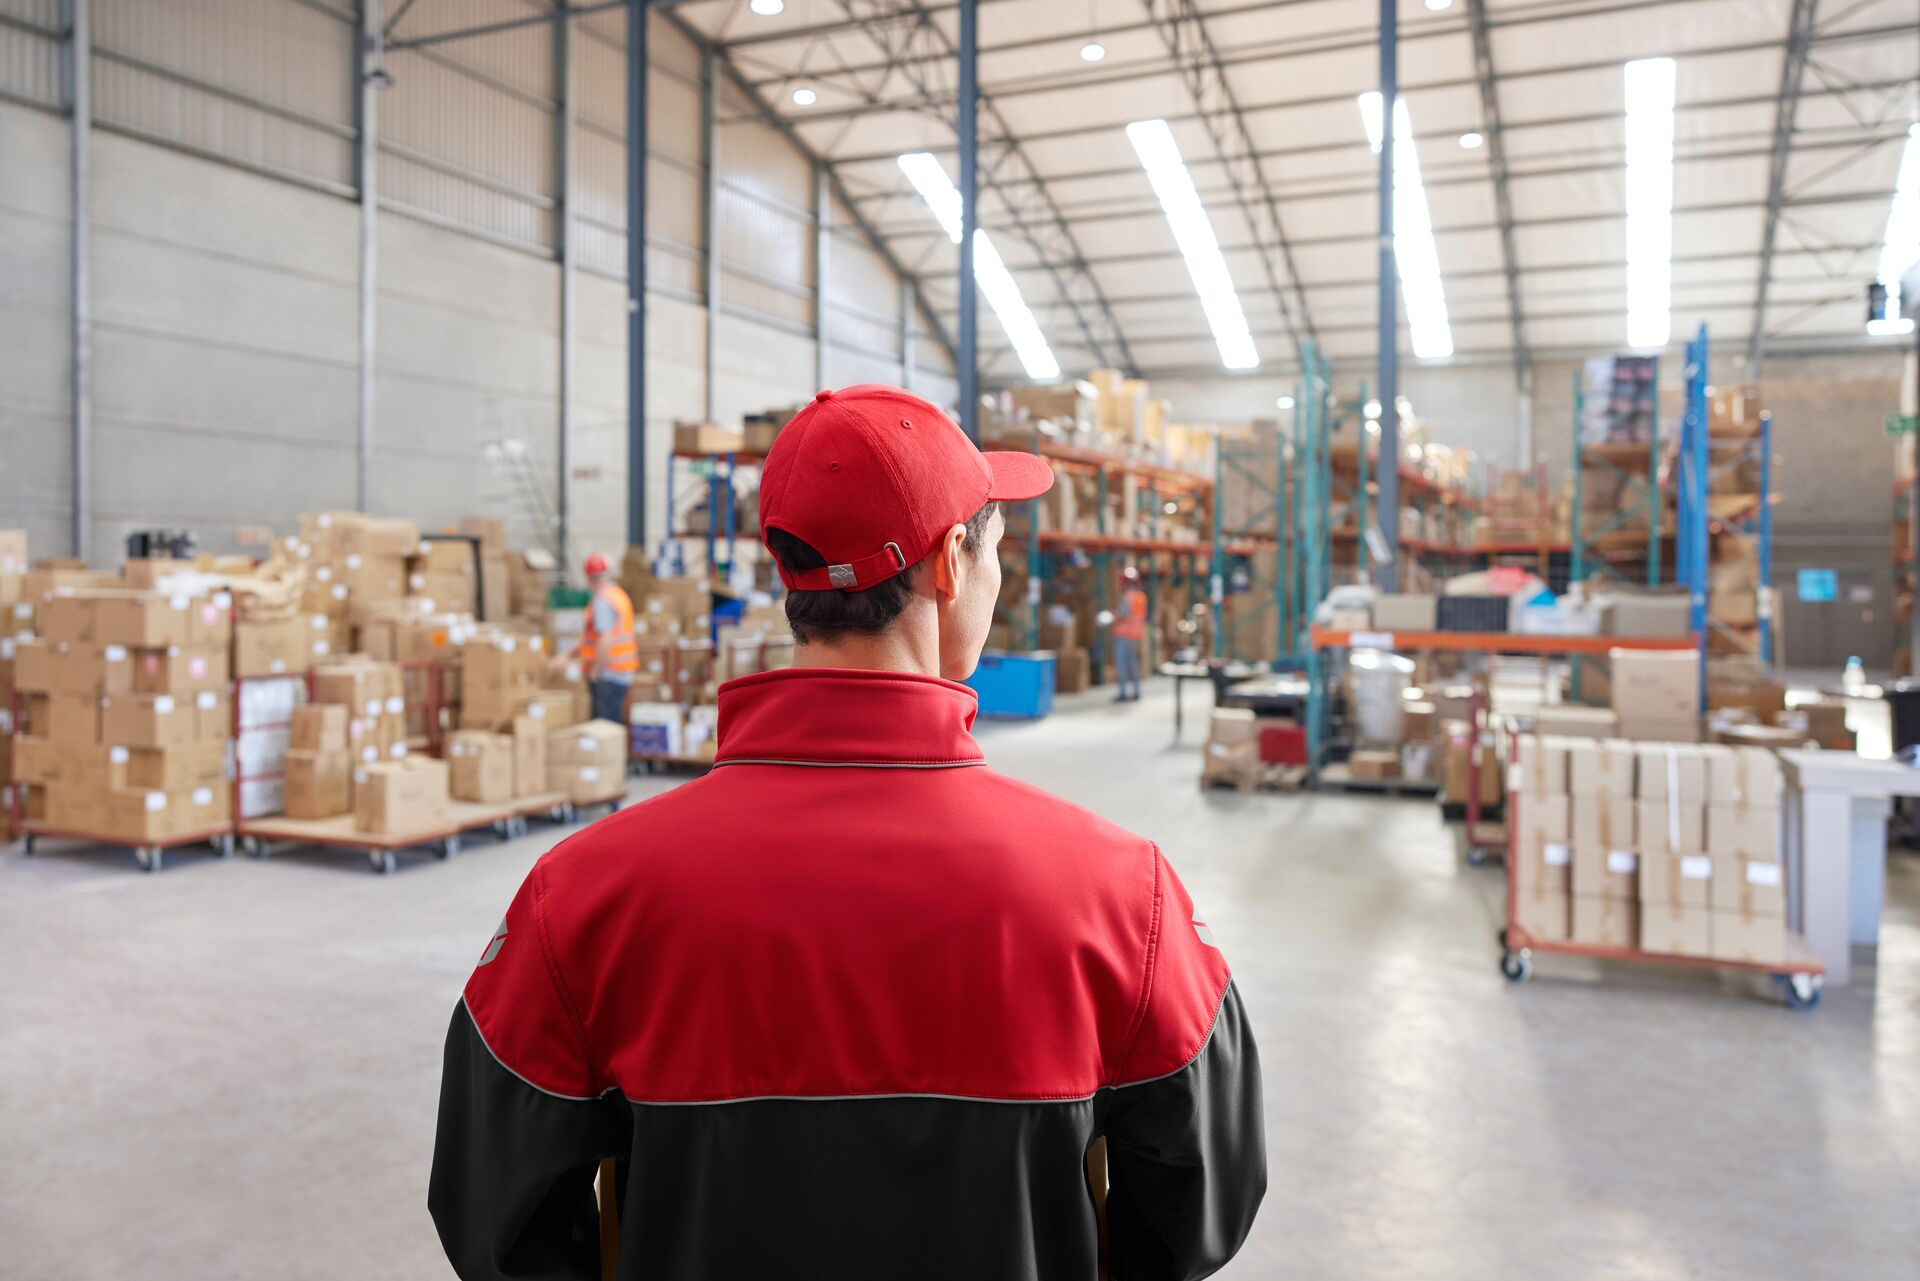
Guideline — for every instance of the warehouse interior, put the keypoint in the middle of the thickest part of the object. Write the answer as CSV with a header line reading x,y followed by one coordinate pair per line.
x,y
1510,512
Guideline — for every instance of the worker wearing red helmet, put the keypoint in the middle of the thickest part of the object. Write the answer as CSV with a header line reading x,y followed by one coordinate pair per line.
x,y
854,1005
607,648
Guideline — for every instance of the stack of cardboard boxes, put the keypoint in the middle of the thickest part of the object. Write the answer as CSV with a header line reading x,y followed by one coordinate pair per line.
x,y
126,714
481,766
317,769
1665,848
588,762
370,691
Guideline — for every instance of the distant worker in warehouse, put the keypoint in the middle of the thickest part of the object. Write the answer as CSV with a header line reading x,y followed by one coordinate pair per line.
x,y
854,1005
607,648
1129,630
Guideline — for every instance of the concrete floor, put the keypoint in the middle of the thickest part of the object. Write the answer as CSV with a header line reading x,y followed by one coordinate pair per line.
x,y
229,1070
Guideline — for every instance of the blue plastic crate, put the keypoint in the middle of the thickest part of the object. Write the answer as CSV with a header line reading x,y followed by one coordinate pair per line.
x,y
1017,685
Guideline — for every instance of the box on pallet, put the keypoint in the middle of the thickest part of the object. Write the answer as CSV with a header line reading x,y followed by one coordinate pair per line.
x,y
1569,721
480,766
529,756
403,797
588,762
317,783
1656,693
319,727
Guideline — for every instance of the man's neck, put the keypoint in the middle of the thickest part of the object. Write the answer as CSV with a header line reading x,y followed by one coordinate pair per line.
x,y
901,648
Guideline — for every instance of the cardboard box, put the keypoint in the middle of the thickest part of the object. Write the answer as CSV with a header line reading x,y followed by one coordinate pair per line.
x,y
1743,830
1753,937
147,720
210,621
1601,767
1567,721
1685,879
142,619
382,537
1072,670
1232,726
13,551
168,769
319,727
1373,765
149,814
1748,886
1606,922
1545,816
1422,722
490,530
1673,929
529,756
1744,776
588,761
706,438
66,615
1457,774
368,689
177,671
370,578
1602,821
403,797
1541,764
1655,685
1601,872
317,784
212,714
1542,857
87,667
1406,612
1670,827
1543,914
70,718
1667,616
1685,730
272,649
37,668
480,766
551,706
1679,770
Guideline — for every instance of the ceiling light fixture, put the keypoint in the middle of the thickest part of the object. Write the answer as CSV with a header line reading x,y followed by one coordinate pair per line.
x,y
1415,254
804,97
1159,155
1092,51
1372,409
989,272
1901,246
1473,140
766,8
1649,134
1438,5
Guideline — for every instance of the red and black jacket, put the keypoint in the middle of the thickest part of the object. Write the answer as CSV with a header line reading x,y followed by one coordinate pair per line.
x,y
853,1005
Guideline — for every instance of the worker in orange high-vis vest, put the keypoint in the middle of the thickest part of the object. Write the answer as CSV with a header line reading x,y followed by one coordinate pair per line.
x,y
1129,629
607,646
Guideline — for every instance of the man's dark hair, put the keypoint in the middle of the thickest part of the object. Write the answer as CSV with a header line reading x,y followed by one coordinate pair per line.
x,y
826,614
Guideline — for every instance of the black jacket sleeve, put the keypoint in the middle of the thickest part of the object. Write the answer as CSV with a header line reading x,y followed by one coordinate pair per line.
x,y
1187,1159
513,1169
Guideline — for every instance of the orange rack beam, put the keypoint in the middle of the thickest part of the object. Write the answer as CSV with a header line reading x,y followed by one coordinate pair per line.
x,y
1499,642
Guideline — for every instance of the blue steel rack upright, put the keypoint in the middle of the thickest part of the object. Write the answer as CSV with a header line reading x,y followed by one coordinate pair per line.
x,y
1691,563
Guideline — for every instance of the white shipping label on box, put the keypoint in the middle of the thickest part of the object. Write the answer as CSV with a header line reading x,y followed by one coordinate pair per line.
x,y
114,653
206,700
372,709
1556,855
324,573
117,755
163,704
321,648
587,743
178,602
573,671
339,591
1767,874
318,622
203,796
197,667
353,560
277,666
369,753
537,710
1622,862
416,581
396,705
590,773
1696,867
156,801
397,751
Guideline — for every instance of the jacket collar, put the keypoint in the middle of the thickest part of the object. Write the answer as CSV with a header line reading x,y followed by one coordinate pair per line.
x,y
837,716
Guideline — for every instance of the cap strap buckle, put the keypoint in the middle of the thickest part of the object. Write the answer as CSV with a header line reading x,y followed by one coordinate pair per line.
x,y
851,575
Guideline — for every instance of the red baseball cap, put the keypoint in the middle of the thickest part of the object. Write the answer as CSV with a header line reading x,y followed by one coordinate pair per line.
x,y
872,477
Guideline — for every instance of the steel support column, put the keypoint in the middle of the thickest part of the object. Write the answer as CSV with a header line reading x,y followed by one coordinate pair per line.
x,y
1388,516
366,154
967,125
710,228
822,249
906,333
637,273
1792,72
1503,209
563,165
80,94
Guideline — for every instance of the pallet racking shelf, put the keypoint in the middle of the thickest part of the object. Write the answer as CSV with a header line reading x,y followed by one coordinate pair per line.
x,y
1633,532
720,471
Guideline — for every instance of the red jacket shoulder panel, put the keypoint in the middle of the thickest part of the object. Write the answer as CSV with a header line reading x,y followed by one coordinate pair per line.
x,y
1186,981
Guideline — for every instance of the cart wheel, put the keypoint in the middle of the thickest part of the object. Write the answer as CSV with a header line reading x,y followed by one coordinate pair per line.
x,y
449,847
381,861
1476,856
1801,991
148,857
1517,966
521,825
1503,938
613,806
223,845
254,846
503,828
27,843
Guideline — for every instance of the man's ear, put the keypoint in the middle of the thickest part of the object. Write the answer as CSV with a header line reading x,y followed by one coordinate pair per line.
x,y
946,562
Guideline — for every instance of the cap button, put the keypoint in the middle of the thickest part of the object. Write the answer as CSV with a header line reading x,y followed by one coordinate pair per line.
x,y
825,395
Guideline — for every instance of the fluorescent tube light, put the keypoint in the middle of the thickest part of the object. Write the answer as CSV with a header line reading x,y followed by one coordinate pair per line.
x,y
1415,254
1159,155
1902,243
1649,132
989,272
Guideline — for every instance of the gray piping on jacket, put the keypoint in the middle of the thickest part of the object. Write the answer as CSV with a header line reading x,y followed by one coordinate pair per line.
x,y
771,760
570,1098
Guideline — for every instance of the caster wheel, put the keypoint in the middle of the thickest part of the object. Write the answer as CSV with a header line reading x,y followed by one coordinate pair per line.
x,y
613,807
253,846
27,844
449,847
1517,966
148,857
381,861
223,845
1801,991
1476,857
1503,938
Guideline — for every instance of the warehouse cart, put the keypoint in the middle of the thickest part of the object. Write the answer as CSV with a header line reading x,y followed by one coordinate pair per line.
x,y
150,856
1799,975
506,819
